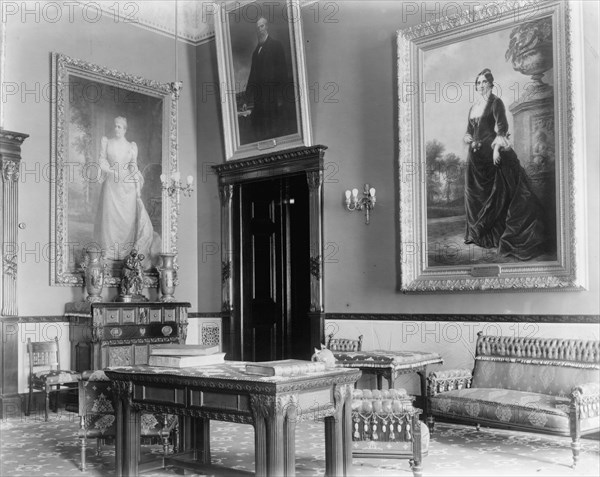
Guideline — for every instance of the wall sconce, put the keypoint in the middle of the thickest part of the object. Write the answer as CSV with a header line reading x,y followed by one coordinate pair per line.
x,y
366,202
175,184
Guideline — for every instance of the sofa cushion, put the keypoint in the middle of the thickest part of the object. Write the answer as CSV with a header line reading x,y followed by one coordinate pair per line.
x,y
532,376
527,410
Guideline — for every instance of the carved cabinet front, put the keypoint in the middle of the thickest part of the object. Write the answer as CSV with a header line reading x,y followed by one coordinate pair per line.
x,y
122,334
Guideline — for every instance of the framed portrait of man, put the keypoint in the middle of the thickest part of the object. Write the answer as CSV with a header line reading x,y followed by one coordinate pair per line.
x,y
262,77
490,154
111,141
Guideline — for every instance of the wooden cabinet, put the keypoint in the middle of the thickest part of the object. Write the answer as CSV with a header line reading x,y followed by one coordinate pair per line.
x,y
122,334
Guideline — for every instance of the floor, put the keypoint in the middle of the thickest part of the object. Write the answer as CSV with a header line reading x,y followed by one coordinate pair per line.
x,y
30,447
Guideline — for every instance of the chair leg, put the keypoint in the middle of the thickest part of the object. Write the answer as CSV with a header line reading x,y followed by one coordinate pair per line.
x,y
416,468
28,410
46,403
83,442
430,423
575,447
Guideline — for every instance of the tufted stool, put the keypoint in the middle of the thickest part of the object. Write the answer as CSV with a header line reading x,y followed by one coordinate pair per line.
x,y
386,425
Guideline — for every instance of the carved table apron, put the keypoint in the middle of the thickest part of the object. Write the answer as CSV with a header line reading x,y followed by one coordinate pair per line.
x,y
224,392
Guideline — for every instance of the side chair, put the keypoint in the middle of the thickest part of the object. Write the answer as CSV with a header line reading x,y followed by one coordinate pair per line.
x,y
98,421
45,373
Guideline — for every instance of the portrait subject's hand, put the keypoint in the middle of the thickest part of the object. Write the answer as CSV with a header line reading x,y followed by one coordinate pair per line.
x,y
496,156
468,139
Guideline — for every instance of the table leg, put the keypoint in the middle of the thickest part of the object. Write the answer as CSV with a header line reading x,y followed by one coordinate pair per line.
x,y
275,443
424,397
130,441
289,444
415,462
347,433
260,446
338,428
202,440
119,438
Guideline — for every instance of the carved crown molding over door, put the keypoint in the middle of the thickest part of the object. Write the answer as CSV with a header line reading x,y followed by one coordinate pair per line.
x,y
10,162
306,160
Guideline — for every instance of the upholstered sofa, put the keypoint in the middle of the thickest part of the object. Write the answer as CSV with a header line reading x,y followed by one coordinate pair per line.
x,y
530,384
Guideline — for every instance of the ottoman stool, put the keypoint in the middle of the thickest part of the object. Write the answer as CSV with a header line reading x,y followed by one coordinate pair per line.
x,y
386,425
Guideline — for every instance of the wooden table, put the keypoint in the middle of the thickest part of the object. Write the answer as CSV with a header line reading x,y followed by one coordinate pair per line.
x,y
224,392
391,364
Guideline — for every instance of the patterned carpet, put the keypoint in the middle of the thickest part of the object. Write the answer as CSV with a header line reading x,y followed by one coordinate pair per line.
x,y
30,447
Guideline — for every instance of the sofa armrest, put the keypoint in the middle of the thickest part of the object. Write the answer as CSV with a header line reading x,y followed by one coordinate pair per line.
x,y
585,398
448,380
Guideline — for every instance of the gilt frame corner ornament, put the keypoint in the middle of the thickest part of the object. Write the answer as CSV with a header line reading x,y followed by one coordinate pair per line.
x,y
444,243
88,101
264,93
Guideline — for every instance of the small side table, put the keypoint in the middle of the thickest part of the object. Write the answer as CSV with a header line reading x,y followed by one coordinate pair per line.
x,y
391,364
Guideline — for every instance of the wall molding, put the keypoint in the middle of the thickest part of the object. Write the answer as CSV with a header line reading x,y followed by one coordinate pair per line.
x,y
63,319
512,318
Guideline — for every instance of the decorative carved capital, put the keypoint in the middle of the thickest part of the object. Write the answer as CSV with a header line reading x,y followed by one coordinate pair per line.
x,y
122,389
225,194
266,407
314,179
10,170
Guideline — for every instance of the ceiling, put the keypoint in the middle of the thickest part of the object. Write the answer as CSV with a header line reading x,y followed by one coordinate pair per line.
x,y
194,19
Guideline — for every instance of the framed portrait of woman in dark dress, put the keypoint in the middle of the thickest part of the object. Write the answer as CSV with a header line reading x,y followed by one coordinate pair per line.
x,y
486,156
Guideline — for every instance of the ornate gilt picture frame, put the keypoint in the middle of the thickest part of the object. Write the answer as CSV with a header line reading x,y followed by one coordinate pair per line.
x,y
491,150
262,77
112,136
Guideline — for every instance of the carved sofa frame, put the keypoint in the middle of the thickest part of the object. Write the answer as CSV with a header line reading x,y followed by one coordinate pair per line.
x,y
530,384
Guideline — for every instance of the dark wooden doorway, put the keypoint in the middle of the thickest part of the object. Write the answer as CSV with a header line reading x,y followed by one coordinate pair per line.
x,y
275,309
275,268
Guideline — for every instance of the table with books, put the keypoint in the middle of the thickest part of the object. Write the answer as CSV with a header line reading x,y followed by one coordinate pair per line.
x,y
270,396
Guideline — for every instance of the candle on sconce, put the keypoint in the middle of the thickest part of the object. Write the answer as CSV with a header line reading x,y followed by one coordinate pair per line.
x,y
372,191
355,193
190,180
163,178
348,194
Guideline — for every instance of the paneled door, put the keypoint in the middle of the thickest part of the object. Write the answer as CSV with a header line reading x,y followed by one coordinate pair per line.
x,y
275,268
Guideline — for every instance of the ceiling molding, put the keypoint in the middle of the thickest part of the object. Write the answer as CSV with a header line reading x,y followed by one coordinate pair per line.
x,y
194,23
195,18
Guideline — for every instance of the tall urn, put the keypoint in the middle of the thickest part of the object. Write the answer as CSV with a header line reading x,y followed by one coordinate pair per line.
x,y
93,274
167,276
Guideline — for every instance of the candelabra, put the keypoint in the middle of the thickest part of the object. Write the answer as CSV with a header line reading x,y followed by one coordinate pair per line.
x,y
366,202
174,185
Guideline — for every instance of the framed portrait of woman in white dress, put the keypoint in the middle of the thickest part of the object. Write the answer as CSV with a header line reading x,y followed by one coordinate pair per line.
x,y
490,150
112,138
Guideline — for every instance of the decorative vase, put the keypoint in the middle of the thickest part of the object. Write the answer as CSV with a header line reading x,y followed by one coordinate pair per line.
x,y
167,276
93,274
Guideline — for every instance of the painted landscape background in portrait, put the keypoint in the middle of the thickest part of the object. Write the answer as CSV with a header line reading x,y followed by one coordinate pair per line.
x,y
449,74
